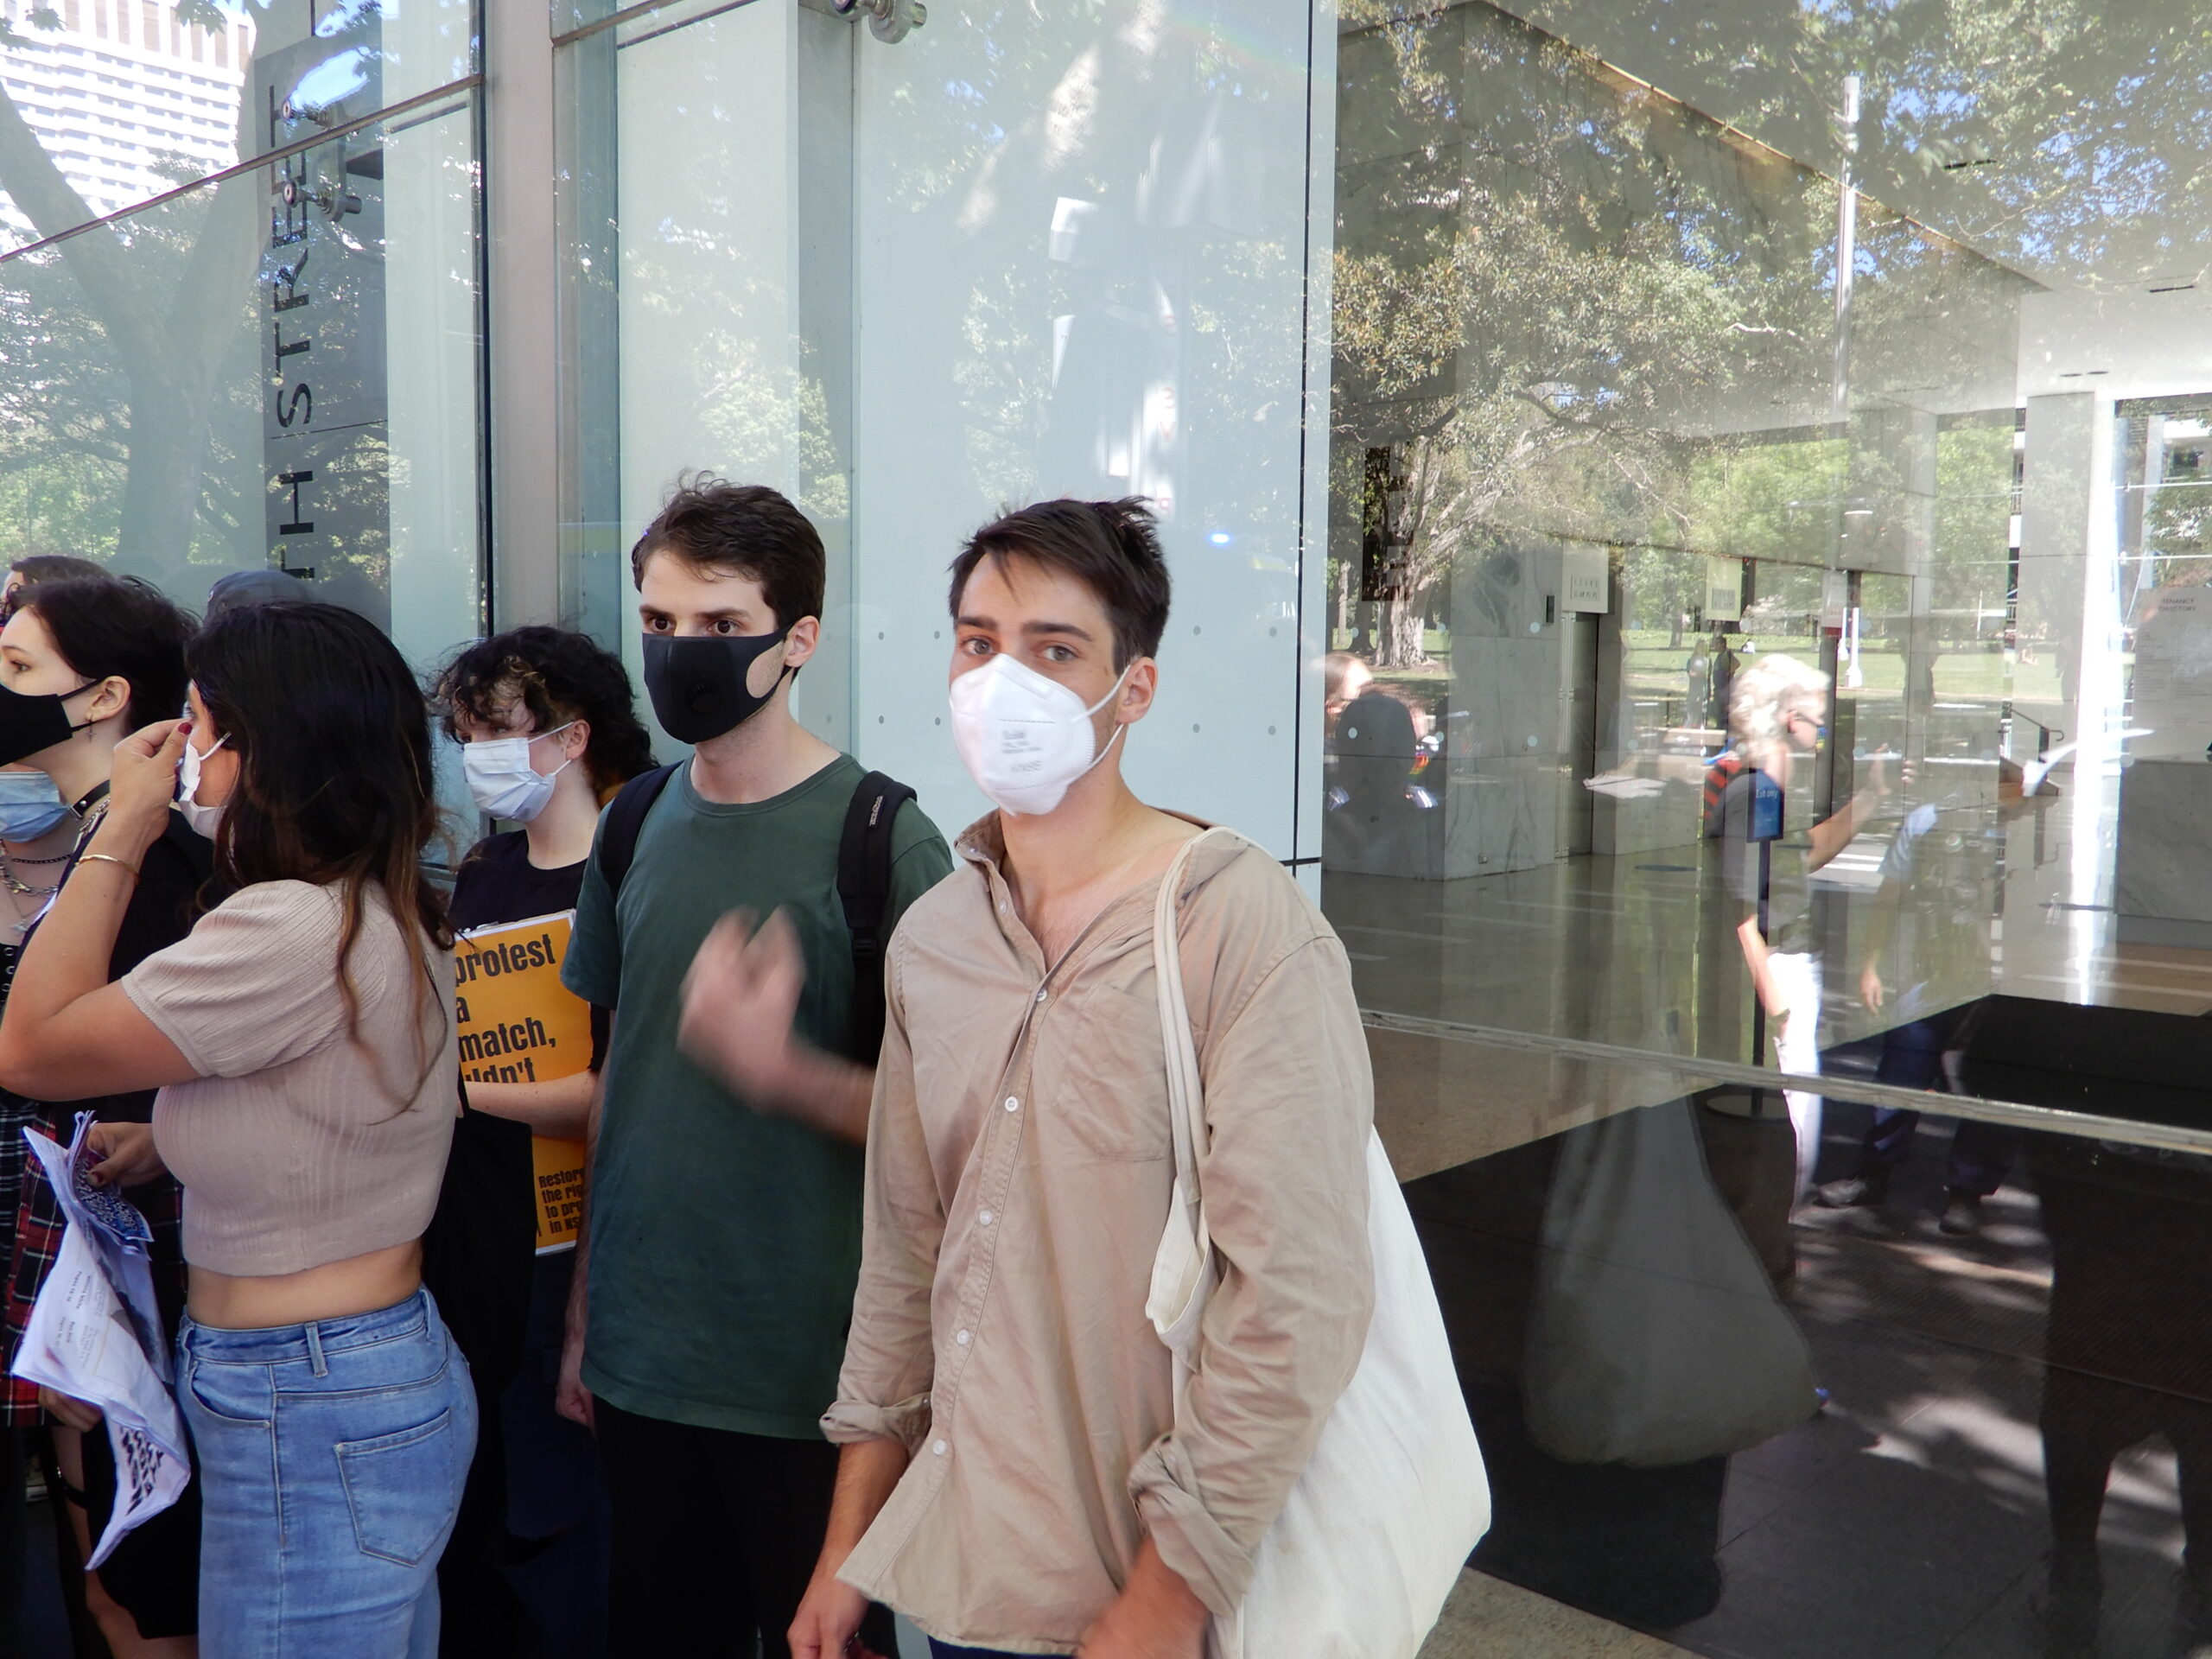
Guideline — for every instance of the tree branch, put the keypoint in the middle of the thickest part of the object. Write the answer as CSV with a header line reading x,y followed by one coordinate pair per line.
x,y
101,264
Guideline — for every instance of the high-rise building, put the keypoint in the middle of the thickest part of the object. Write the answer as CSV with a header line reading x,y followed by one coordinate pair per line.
x,y
127,98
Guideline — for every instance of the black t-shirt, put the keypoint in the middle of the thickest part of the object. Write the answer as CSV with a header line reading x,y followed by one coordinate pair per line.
x,y
498,883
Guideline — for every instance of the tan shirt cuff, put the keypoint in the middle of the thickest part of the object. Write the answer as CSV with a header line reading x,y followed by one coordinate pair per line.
x,y
1190,1540
851,1421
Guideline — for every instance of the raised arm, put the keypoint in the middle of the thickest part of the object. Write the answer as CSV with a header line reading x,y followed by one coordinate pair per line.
x,y
69,1034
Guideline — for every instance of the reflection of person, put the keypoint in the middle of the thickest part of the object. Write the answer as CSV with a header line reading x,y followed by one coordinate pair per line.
x,y
1935,892
1345,678
1017,1474
302,1041
549,731
1778,710
83,663
1372,744
1720,680
1698,674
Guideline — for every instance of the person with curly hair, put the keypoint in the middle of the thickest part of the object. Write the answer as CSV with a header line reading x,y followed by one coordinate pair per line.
x,y
549,731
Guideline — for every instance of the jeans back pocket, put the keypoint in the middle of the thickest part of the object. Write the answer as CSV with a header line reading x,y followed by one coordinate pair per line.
x,y
403,1488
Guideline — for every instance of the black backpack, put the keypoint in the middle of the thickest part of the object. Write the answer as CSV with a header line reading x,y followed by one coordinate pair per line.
x,y
863,879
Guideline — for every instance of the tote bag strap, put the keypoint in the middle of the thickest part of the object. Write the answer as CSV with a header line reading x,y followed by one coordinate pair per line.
x,y
1186,1100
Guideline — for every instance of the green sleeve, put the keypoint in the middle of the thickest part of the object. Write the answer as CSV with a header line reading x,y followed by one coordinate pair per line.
x,y
593,968
919,860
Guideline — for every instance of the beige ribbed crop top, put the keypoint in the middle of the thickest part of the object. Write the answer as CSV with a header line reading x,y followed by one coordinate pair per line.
x,y
298,1145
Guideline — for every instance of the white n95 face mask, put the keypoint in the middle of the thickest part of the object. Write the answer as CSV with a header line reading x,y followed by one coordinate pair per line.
x,y
503,780
203,819
1024,739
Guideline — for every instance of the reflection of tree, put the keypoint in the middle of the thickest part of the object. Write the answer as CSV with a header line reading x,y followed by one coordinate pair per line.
x,y
2056,136
167,303
1615,317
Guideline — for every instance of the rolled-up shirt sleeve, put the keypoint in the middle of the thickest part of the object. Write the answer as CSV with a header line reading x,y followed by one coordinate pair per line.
x,y
1289,1106
883,1392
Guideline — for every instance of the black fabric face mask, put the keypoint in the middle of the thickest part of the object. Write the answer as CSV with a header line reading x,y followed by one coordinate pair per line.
x,y
697,684
30,724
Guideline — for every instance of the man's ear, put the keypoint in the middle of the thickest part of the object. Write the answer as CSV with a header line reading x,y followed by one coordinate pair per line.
x,y
1140,685
576,739
800,643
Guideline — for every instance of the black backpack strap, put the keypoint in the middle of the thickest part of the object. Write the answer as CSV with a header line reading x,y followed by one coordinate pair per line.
x,y
625,818
864,885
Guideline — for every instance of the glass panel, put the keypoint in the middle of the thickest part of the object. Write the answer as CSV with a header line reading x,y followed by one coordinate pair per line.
x,y
279,371
689,320
110,103
1765,768
1615,447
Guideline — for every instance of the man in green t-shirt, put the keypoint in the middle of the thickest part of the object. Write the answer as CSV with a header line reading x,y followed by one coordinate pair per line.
x,y
715,1278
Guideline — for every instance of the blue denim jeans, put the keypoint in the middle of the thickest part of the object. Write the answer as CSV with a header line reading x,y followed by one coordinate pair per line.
x,y
331,1456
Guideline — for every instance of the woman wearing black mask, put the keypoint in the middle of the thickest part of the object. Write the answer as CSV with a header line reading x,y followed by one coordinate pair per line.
x,y
84,662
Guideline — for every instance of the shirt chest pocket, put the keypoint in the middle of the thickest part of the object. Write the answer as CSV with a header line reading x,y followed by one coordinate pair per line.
x,y
1099,1078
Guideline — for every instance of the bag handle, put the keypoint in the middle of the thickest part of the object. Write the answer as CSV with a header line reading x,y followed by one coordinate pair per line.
x,y
1185,1098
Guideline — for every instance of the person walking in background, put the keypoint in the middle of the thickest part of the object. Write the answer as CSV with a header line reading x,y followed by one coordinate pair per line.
x,y
1016,1475
84,662
1777,713
301,1038
548,732
714,1279
1925,963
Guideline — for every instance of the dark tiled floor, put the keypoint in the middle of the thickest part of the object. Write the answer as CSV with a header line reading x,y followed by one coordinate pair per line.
x,y
1907,1521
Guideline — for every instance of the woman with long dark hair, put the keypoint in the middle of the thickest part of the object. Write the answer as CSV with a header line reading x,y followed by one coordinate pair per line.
x,y
302,1042
84,662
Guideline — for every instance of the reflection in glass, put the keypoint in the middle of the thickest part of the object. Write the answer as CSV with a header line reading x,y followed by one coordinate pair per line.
x,y
276,371
107,104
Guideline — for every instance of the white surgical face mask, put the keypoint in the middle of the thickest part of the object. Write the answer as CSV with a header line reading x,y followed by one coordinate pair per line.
x,y
1024,739
203,819
502,778
29,806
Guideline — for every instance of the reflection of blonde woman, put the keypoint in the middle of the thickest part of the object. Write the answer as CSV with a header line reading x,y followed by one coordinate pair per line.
x,y
1776,709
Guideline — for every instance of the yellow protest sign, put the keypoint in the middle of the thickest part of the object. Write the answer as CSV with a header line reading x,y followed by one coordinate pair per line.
x,y
518,1023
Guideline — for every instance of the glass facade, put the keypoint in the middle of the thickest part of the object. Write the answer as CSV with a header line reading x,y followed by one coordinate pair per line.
x,y
1687,534
271,364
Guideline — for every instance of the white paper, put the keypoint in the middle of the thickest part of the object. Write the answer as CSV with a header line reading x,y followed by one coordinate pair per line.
x,y
95,1334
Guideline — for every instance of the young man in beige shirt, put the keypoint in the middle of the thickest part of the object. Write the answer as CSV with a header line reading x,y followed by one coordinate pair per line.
x,y
1013,1475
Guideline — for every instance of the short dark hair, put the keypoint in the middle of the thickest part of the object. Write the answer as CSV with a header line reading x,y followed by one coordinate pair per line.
x,y
748,529
35,568
122,626
1112,546
558,677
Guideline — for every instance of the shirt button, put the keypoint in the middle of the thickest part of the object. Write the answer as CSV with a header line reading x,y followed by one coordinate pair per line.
x,y
964,1338
937,1448
1012,1104
1040,994
985,1218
